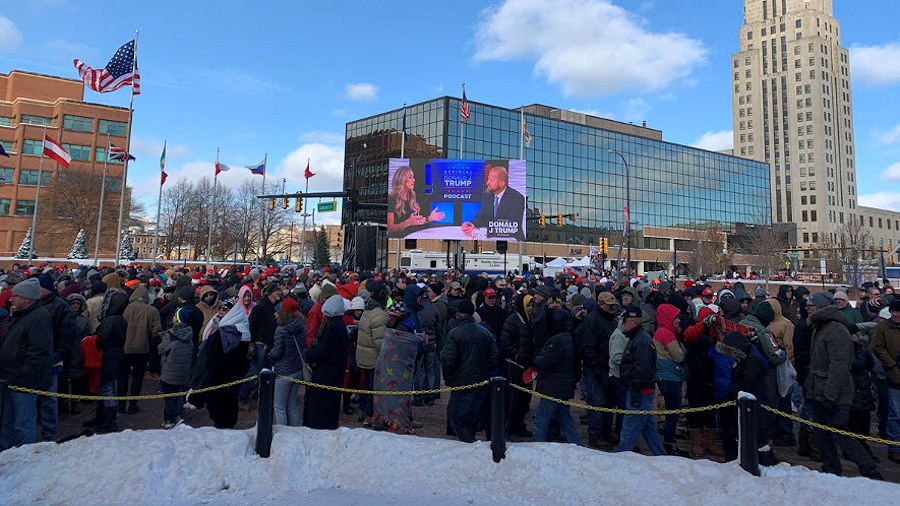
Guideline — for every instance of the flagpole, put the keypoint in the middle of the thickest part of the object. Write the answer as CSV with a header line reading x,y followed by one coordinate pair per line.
x,y
262,215
303,234
212,210
462,127
158,208
521,157
102,197
127,150
37,198
403,136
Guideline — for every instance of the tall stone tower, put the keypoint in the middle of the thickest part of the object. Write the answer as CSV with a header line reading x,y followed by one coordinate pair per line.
x,y
792,108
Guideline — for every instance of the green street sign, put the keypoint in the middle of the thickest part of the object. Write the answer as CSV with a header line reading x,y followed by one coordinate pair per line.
x,y
325,207
793,255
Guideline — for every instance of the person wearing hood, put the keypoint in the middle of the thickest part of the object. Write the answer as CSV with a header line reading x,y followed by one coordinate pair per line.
x,y
829,390
245,300
288,361
515,339
144,329
670,355
262,334
698,340
95,298
592,344
315,316
111,336
328,358
789,307
801,294
747,374
731,310
369,339
209,302
764,339
638,374
82,329
556,378
176,349
628,296
651,300
221,359
783,331
469,356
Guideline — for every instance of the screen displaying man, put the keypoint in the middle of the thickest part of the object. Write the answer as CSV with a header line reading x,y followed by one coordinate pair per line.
x,y
502,208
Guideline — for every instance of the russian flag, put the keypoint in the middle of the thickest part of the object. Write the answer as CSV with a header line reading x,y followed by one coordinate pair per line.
x,y
258,169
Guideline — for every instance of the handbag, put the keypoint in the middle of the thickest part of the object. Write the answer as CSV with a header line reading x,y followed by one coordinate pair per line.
x,y
785,376
305,369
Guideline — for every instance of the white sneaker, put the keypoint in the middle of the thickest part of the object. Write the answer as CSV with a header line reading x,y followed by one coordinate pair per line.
x,y
168,425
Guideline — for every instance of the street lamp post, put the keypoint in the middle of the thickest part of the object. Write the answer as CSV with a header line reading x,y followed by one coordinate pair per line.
x,y
627,206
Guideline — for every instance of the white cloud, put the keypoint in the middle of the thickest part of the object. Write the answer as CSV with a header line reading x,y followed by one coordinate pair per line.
x,y
891,136
64,48
323,137
10,36
715,141
589,47
881,200
891,173
360,91
325,161
878,65
636,110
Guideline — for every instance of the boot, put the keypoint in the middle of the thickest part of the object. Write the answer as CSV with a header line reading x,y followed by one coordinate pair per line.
x,y
109,424
814,453
804,448
98,418
132,407
711,447
696,437
672,449
123,406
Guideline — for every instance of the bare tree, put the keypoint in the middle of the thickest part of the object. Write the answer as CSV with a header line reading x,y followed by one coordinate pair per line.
x,y
854,251
766,244
710,255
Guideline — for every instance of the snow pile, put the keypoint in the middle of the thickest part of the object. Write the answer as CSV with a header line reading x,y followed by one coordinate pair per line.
x,y
187,466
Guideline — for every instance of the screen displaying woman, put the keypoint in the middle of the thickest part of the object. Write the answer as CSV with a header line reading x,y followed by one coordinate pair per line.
x,y
404,211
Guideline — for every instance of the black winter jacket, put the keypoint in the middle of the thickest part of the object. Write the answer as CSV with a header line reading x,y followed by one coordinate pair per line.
x,y
515,340
26,351
556,363
861,370
65,341
494,316
111,337
469,355
802,347
263,323
639,361
592,340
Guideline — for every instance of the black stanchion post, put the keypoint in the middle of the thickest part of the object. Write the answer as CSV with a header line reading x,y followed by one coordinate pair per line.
x,y
498,417
747,425
265,413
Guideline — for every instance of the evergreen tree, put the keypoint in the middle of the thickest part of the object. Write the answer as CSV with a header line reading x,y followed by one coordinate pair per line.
x,y
79,249
323,256
25,248
126,249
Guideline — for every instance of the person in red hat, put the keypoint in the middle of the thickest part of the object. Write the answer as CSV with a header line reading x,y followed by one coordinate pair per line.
x,y
491,313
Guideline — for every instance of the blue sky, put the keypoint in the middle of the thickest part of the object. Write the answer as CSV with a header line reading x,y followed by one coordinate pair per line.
x,y
285,80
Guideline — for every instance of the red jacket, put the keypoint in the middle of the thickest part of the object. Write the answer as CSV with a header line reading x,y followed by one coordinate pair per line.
x,y
313,319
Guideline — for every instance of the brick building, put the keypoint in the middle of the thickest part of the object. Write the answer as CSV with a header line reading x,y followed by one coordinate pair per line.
x,y
28,103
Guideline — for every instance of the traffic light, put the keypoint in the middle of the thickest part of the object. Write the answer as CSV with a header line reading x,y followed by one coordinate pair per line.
x,y
284,203
558,220
340,238
575,217
272,203
298,205
604,245
480,249
543,221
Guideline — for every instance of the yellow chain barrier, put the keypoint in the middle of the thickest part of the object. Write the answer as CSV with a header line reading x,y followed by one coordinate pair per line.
x,y
129,397
625,411
871,439
383,392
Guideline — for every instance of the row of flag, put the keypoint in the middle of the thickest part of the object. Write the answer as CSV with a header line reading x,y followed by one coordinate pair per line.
x,y
465,112
54,150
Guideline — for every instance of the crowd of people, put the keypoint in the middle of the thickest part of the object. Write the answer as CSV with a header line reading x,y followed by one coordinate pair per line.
x,y
632,345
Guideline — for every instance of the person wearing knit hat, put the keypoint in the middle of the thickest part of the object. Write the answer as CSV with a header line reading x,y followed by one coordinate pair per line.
x,y
822,299
329,353
29,289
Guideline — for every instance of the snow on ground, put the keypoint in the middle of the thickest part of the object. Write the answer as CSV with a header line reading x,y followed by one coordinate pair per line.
x,y
358,466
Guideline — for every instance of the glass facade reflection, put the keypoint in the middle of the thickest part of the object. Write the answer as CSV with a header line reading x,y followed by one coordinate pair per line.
x,y
570,171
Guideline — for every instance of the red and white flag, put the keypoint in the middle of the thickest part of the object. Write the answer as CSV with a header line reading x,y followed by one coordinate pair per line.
x,y
464,110
308,173
56,152
221,167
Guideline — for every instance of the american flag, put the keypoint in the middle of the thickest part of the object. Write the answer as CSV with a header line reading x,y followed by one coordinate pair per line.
x,y
120,71
464,107
526,132
118,154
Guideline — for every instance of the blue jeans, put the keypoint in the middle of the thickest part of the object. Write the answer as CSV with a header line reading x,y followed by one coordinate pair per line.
x,y
425,378
49,411
287,401
893,418
671,392
635,426
19,419
256,365
365,400
594,394
107,389
174,406
549,410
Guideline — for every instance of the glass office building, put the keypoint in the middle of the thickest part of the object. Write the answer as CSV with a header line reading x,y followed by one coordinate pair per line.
x,y
570,170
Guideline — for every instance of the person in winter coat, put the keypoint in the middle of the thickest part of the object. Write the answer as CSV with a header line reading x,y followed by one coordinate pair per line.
x,y
98,290
748,370
829,389
782,328
262,332
469,356
285,354
209,302
638,373
592,343
372,325
65,354
176,351
886,345
787,304
111,335
144,328
762,315
491,313
513,349
698,339
82,329
860,421
328,358
221,359
556,378
427,378
26,360
670,357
